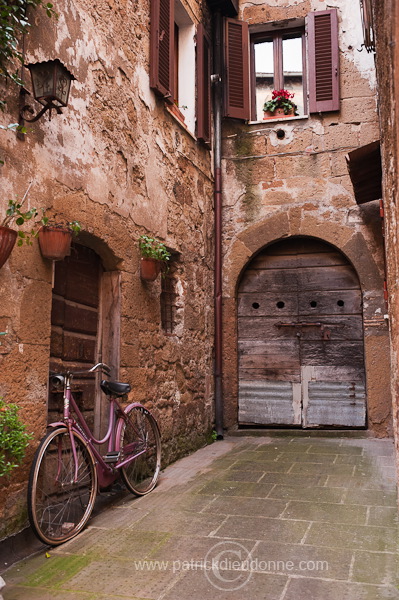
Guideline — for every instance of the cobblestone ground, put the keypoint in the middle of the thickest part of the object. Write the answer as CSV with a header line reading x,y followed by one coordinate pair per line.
x,y
271,518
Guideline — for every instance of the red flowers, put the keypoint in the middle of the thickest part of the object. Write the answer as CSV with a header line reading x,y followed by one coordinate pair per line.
x,y
281,99
281,94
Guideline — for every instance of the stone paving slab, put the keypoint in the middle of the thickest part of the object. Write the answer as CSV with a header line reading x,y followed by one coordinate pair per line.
x,y
302,589
310,494
194,584
301,559
352,536
221,487
265,518
326,512
302,481
260,507
376,567
382,516
360,482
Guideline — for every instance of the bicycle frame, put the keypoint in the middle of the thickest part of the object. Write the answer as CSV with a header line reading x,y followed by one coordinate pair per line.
x,y
106,473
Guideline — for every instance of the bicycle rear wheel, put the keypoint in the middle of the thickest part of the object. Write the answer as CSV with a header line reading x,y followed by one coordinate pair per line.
x,y
58,506
140,437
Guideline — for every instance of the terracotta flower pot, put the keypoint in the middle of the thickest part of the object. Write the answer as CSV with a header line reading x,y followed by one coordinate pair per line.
x,y
55,243
277,114
149,268
7,240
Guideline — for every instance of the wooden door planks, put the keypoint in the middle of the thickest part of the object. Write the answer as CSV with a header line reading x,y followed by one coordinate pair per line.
x,y
293,282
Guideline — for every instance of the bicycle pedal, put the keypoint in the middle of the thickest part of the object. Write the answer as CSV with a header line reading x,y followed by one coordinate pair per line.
x,y
111,457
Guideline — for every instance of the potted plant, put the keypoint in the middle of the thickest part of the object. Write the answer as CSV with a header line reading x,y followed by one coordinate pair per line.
x,y
280,105
153,255
8,236
55,238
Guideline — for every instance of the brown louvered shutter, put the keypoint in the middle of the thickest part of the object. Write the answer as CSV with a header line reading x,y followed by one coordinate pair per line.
x,y
203,85
162,47
236,86
323,60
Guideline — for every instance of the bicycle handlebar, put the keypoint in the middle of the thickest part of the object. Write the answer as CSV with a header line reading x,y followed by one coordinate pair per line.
x,y
58,378
103,366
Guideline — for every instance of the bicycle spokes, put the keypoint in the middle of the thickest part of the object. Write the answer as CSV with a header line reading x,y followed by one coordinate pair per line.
x,y
140,448
63,490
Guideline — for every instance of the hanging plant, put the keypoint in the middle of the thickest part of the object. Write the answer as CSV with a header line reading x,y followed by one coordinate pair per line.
x,y
13,438
15,215
55,238
154,255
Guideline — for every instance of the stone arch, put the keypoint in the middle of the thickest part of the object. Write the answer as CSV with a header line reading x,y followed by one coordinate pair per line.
x,y
355,248
110,261
351,243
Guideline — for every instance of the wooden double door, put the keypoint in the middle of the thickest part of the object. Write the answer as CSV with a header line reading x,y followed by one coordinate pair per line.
x,y
300,338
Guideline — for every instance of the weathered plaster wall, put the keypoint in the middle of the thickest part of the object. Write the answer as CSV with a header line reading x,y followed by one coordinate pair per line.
x,y
299,185
387,61
119,163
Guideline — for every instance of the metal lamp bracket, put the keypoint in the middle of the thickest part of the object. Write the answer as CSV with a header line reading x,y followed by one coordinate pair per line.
x,y
28,109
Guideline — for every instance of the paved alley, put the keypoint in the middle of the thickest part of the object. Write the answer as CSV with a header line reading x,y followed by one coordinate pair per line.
x,y
271,517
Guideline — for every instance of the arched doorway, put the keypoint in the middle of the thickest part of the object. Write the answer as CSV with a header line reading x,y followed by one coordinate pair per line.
x,y
85,325
300,338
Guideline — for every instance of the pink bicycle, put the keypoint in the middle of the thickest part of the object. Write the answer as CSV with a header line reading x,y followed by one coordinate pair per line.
x,y
68,469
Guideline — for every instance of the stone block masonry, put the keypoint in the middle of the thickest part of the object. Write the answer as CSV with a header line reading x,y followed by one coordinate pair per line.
x,y
287,179
119,163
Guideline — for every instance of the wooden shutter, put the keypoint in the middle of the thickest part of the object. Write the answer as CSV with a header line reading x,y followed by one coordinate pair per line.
x,y
236,69
162,47
323,60
203,85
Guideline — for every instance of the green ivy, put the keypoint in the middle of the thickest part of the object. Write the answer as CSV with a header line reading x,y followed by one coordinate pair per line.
x,y
13,24
13,438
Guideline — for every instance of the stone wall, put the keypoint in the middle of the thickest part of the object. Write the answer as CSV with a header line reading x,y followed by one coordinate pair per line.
x,y
387,61
122,165
290,178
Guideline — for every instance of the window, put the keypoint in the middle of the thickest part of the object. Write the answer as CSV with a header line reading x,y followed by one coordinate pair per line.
x,y
280,57
183,90
168,302
277,62
177,66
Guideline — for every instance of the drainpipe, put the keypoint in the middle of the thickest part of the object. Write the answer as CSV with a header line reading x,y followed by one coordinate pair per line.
x,y
218,300
382,215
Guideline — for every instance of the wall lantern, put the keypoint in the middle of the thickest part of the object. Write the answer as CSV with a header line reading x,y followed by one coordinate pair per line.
x,y
51,82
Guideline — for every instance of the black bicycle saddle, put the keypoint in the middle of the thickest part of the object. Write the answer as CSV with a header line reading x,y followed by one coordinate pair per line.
x,y
115,388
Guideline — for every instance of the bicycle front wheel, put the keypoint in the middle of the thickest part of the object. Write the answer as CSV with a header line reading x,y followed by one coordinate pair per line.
x,y
60,504
140,437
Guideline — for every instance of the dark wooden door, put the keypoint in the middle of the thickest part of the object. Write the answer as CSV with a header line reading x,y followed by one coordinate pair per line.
x,y
75,325
300,338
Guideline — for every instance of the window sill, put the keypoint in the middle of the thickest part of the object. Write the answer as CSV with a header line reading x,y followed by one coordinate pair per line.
x,y
278,120
179,121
